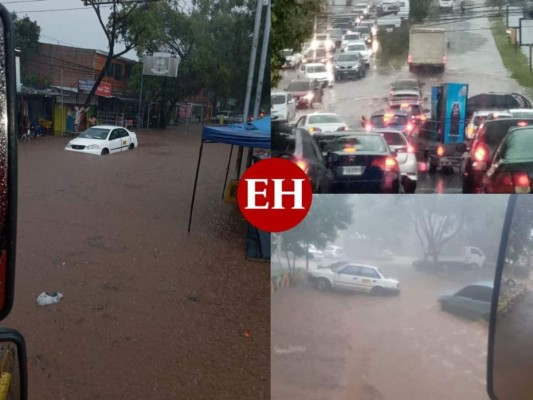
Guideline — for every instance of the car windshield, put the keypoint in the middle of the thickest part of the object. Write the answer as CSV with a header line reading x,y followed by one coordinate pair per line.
x,y
324,119
405,84
363,29
95,133
316,68
381,120
348,57
522,114
394,138
362,143
356,47
321,37
299,85
519,145
277,99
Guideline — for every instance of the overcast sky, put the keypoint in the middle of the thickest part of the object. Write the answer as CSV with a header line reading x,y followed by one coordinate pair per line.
x,y
66,22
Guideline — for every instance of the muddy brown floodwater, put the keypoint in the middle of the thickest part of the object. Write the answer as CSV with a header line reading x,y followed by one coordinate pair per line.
x,y
345,346
149,311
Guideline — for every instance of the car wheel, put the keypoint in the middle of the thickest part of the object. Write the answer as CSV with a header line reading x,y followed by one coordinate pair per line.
x,y
132,146
105,152
323,284
377,291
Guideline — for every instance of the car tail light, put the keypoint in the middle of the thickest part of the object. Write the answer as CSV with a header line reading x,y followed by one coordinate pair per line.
x,y
512,182
387,164
303,165
481,153
313,130
440,151
410,148
444,59
409,58
368,127
350,149
522,123
422,117
409,127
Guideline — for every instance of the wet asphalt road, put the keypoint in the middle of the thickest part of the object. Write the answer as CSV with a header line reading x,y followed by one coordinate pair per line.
x,y
472,58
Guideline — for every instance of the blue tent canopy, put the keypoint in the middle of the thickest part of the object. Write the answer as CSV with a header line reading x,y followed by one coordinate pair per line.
x,y
255,134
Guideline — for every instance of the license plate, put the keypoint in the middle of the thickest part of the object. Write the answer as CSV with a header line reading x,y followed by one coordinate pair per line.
x,y
352,170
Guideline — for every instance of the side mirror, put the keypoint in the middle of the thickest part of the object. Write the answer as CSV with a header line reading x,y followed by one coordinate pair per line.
x,y
14,369
511,318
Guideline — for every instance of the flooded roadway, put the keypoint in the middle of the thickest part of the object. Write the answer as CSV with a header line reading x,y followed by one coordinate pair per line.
x,y
345,346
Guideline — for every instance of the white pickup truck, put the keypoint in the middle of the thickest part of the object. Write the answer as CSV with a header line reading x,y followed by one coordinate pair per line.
x,y
467,257
353,276
427,48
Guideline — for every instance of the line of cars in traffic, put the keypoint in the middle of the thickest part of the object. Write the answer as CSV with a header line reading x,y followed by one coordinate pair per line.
x,y
377,157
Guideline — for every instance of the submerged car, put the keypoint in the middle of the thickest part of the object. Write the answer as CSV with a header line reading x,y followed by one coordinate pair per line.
x,y
472,301
103,139
353,276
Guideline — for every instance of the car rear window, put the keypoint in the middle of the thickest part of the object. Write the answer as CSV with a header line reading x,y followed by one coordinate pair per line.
x,y
300,85
282,143
356,47
496,130
394,138
348,57
381,121
324,119
317,68
363,143
277,99
352,36
519,145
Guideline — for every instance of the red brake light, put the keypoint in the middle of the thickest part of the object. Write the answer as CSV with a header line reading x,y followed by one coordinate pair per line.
x,y
368,127
522,123
410,149
444,59
481,153
440,151
409,58
409,127
302,164
388,164
515,182
422,117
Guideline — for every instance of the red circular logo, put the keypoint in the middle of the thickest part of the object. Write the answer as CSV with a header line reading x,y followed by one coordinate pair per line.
x,y
274,195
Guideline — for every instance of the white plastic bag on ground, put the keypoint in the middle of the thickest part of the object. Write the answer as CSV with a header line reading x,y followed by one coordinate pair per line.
x,y
47,298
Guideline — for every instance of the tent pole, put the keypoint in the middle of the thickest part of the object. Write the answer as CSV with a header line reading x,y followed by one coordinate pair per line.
x,y
195,183
239,162
249,158
227,171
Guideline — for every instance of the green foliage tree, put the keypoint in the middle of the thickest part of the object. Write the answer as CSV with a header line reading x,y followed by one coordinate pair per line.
x,y
327,216
292,25
418,10
27,34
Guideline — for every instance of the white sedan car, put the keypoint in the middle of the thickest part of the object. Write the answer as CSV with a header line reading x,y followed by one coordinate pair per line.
x,y
103,139
321,122
318,71
359,47
353,276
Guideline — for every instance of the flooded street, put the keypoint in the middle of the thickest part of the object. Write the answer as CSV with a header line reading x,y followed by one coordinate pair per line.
x,y
149,311
345,346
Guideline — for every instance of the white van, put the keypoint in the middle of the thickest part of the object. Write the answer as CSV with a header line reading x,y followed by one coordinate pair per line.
x,y
446,5
283,106
404,9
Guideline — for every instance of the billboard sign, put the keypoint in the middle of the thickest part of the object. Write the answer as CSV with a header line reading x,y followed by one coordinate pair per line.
x,y
85,86
456,95
160,64
104,89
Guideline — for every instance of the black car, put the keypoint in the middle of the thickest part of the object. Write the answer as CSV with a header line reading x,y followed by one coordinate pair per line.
x,y
512,167
297,145
479,159
472,301
361,162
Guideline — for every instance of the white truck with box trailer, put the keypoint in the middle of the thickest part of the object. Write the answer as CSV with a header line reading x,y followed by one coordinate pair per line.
x,y
427,48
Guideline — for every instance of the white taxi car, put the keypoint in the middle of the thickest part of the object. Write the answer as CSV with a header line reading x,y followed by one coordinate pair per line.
x,y
103,139
353,276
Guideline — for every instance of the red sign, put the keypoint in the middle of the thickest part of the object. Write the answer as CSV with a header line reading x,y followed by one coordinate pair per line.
x,y
274,195
104,89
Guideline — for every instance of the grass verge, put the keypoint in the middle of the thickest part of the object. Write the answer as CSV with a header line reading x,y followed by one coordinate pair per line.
x,y
513,59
